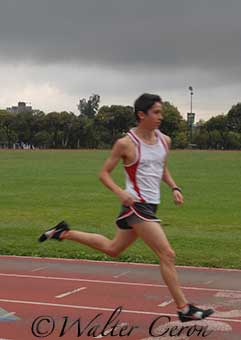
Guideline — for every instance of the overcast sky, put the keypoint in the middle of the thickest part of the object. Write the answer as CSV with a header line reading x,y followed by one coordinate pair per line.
x,y
54,52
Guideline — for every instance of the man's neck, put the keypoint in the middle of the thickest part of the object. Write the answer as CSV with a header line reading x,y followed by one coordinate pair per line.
x,y
146,134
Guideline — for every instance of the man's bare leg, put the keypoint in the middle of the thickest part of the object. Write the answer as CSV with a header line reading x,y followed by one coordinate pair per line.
x,y
154,236
122,240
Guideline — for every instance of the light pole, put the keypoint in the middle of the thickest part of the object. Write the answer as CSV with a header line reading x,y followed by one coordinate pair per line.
x,y
191,94
190,115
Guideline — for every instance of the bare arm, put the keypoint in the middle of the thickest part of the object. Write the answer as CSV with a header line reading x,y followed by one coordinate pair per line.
x,y
167,178
117,152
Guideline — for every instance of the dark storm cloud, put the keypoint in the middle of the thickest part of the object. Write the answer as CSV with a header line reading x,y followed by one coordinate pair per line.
x,y
200,34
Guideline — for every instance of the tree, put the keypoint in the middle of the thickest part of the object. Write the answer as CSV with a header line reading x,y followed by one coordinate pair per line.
x,y
234,118
215,139
173,123
42,139
24,126
114,121
180,140
52,126
89,107
7,123
232,140
201,138
218,123
66,121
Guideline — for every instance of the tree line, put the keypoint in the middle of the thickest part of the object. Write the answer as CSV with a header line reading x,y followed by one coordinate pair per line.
x,y
222,132
99,127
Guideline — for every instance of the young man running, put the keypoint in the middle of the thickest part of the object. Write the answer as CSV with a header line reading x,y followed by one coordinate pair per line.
x,y
144,152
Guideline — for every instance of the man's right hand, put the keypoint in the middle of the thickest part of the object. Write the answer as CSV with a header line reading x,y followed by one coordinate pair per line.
x,y
126,198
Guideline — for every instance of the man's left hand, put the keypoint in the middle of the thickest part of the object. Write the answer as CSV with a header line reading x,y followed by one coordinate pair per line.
x,y
178,198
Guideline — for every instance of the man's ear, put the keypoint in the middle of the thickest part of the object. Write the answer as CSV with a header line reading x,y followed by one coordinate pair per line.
x,y
141,115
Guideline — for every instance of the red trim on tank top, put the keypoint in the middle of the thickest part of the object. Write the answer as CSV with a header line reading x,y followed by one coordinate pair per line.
x,y
134,136
132,169
164,142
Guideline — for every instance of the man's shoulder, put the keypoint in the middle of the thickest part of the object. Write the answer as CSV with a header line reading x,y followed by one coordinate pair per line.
x,y
167,138
121,146
123,142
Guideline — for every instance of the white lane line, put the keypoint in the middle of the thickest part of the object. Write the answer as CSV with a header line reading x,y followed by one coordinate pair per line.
x,y
38,277
70,292
103,309
165,303
39,268
228,295
236,313
59,259
121,274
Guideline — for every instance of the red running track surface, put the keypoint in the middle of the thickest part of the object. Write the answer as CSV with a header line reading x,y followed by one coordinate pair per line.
x,y
74,299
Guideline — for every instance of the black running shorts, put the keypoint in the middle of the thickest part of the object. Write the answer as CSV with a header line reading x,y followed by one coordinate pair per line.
x,y
136,213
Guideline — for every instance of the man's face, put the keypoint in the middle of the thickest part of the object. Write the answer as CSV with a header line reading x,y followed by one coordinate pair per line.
x,y
152,119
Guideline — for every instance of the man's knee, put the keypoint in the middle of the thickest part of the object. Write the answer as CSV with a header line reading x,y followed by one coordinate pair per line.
x,y
167,255
113,251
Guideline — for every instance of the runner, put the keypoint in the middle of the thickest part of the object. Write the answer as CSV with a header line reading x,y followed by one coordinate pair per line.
x,y
144,152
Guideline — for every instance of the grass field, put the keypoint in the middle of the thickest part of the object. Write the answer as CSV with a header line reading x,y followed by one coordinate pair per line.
x,y
40,188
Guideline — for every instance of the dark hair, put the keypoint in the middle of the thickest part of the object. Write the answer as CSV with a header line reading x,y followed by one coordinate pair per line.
x,y
145,102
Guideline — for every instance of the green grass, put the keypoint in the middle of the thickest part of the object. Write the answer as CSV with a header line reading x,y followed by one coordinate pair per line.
x,y
39,188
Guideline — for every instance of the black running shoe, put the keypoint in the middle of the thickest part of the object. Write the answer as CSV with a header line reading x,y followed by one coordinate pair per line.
x,y
55,232
194,313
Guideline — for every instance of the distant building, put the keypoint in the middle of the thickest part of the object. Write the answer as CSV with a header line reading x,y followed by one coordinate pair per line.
x,y
22,107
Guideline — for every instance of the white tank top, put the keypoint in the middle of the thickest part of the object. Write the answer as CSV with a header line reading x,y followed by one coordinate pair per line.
x,y
144,175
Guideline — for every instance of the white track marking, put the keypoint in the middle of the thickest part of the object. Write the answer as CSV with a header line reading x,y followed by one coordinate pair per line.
x,y
165,303
37,258
121,274
7,315
208,282
212,326
168,338
38,303
39,268
228,295
114,282
109,330
70,292
236,313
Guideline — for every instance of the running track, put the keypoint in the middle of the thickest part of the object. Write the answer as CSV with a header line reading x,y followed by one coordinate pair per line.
x,y
68,290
